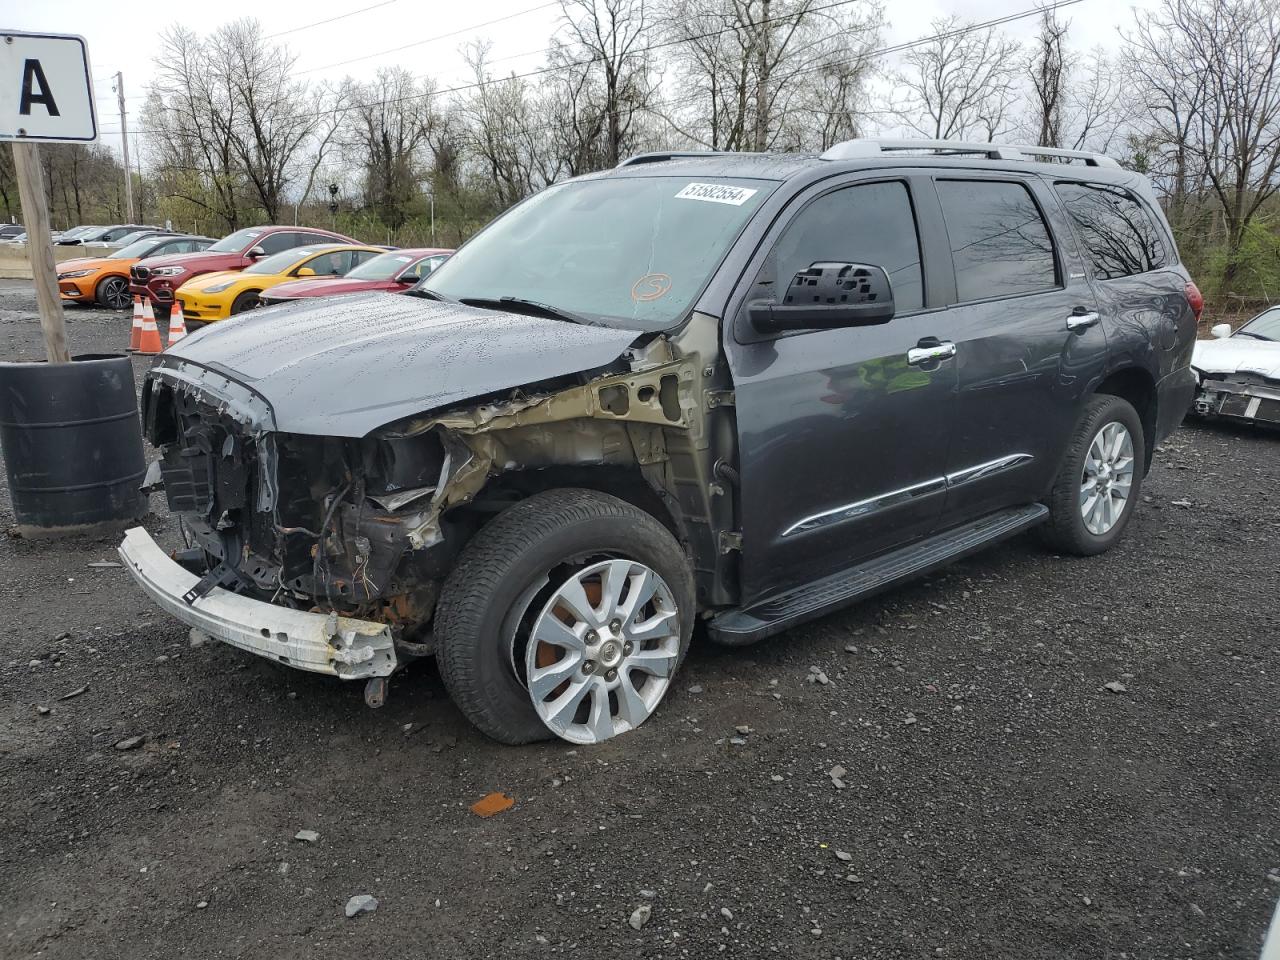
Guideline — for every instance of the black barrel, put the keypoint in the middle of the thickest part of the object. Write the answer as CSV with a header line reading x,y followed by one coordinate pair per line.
x,y
72,444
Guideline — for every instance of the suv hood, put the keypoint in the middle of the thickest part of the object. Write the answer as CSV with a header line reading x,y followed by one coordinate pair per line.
x,y
347,366
1238,355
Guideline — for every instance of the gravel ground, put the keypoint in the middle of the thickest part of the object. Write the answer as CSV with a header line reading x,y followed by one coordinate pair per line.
x,y
998,800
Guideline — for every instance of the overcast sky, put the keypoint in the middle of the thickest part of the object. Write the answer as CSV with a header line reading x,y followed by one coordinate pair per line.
x,y
125,36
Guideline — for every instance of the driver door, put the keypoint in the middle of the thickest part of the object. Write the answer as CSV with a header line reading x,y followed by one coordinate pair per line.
x,y
842,438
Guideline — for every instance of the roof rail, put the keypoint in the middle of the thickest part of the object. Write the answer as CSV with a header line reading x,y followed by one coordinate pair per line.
x,y
660,155
859,149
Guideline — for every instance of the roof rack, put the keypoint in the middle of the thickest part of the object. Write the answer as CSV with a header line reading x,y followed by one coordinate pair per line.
x,y
860,149
660,155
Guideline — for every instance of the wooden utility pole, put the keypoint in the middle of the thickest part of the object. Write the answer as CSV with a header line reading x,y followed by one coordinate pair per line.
x,y
124,148
35,216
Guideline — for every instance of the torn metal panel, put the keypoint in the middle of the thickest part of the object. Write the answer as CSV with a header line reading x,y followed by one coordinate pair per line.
x,y
620,418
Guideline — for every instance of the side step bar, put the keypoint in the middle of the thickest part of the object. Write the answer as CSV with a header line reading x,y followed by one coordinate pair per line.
x,y
811,600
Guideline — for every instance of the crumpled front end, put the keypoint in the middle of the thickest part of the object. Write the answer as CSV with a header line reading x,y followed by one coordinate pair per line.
x,y
302,522
1239,396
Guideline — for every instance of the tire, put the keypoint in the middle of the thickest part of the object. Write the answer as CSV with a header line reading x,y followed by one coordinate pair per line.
x,y
1067,530
113,293
500,586
245,301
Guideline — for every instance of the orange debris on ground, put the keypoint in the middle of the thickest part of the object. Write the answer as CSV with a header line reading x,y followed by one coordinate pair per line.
x,y
487,806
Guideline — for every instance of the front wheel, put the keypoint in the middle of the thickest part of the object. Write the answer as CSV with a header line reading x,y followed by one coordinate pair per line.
x,y
245,301
113,293
567,615
1094,495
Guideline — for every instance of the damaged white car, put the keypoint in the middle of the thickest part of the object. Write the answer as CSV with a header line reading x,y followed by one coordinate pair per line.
x,y
1238,374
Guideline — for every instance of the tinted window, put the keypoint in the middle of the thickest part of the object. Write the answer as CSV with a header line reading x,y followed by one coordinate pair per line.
x,y
999,241
333,264
868,223
1117,232
284,240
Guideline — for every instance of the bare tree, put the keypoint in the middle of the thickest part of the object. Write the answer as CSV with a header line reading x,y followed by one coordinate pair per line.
x,y
1048,70
759,74
1209,72
613,35
960,85
386,139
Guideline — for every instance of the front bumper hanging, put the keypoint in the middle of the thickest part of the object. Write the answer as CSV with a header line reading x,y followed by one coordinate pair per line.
x,y
322,643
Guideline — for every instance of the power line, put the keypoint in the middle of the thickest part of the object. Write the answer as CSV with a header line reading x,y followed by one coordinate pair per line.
x,y
443,36
321,23
871,54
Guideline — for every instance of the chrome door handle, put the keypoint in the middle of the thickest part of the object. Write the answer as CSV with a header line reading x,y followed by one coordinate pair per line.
x,y
1082,321
942,351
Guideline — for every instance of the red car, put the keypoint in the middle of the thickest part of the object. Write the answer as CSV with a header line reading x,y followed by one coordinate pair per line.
x,y
394,271
158,277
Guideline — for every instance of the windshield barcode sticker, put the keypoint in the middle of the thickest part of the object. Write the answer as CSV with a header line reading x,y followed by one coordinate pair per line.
x,y
716,193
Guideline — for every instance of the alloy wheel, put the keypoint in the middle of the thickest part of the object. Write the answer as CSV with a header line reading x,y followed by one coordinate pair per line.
x,y
602,651
115,291
1107,479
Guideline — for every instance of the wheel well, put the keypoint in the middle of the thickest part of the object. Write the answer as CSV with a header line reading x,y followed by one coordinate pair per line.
x,y
1137,387
625,483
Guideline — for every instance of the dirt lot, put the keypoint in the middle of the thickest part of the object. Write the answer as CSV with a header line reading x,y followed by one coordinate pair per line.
x,y
998,802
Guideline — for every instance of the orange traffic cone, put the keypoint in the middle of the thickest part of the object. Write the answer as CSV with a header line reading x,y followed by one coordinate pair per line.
x,y
150,342
177,325
135,335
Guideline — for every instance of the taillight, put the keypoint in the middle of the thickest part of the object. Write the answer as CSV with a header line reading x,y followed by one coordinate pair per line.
x,y
1195,299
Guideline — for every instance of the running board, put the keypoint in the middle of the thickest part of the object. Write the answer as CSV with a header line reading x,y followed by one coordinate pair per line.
x,y
811,600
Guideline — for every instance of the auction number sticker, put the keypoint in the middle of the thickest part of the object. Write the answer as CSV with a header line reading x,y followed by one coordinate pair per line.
x,y
717,193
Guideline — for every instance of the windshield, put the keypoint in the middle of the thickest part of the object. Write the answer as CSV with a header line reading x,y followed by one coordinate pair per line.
x,y
627,251
1265,326
280,262
138,249
383,267
133,237
234,242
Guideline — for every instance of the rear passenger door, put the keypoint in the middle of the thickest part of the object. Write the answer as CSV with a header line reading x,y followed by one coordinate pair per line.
x,y
1029,342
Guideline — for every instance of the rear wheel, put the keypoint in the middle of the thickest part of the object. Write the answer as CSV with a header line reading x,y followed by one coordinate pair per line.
x,y
567,615
113,293
245,301
1094,495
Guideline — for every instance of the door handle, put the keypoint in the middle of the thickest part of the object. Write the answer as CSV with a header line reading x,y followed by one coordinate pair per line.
x,y
1082,321
942,350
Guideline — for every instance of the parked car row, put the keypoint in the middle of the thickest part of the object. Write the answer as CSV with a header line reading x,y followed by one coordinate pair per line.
x,y
214,279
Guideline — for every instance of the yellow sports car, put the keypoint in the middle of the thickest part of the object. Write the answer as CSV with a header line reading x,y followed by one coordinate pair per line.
x,y
216,296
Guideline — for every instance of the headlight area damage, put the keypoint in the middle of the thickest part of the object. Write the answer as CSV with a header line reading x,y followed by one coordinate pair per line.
x,y
356,535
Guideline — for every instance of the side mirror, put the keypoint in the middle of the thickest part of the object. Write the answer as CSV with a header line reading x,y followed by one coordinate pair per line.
x,y
407,279
304,272
828,295
1221,330
256,252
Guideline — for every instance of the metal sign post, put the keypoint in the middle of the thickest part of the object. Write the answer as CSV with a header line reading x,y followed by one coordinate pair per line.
x,y
46,94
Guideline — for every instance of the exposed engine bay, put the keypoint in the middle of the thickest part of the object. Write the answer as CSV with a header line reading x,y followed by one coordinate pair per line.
x,y
370,526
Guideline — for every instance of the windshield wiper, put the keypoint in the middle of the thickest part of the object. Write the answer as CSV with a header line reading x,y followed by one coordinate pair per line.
x,y
1256,336
429,295
529,306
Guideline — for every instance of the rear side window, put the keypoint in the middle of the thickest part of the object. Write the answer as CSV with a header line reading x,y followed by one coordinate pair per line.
x,y
1119,236
284,240
999,242
865,223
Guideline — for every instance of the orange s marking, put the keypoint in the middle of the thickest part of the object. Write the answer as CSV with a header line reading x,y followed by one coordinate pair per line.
x,y
650,287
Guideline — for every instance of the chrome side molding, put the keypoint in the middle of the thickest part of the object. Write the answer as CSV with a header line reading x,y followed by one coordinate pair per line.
x,y
894,498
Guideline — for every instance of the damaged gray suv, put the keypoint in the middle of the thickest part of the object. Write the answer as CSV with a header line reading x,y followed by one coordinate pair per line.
x,y
736,389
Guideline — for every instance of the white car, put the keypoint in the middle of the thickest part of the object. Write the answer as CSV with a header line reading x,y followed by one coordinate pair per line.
x,y
1239,373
